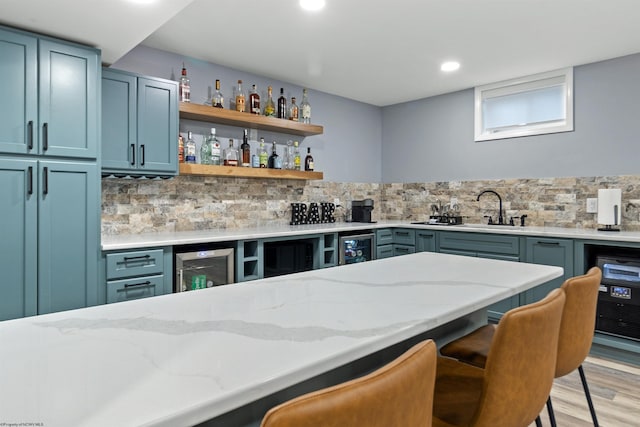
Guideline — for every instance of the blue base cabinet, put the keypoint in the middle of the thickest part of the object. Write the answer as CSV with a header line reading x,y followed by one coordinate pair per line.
x,y
548,251
49,178
139,125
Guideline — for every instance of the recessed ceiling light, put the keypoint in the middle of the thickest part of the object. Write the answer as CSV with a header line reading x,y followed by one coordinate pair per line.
x,y
312,5
450,66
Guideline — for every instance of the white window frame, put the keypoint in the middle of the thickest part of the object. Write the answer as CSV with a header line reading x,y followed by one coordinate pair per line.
x,y
522,85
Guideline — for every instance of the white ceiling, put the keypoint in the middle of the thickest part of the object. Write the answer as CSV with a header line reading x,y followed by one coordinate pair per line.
x,y
379,52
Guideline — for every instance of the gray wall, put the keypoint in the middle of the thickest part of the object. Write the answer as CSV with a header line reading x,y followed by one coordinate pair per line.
x,y
349,150
432,139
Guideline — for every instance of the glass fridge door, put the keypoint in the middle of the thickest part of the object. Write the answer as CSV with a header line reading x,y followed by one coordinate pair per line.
x,y
203,269
356,248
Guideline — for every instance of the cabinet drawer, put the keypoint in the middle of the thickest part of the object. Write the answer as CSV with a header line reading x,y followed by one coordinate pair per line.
x,y
403,249
384,251
135,263
384,237
480,243
134,288
404,237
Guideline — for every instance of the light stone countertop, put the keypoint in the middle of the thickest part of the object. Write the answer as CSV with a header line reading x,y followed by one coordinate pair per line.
x,y
179,359
132,241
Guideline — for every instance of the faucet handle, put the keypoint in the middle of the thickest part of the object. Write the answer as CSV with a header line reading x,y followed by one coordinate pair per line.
x,y
490,221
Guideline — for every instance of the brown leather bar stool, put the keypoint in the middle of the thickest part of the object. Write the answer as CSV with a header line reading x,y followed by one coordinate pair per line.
x,y
512,388
398,394
576,335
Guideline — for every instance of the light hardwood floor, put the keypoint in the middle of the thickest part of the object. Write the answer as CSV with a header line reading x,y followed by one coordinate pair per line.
x,y
615,390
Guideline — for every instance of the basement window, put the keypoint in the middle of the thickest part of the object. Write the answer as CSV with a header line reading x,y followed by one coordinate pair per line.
x,y
533,105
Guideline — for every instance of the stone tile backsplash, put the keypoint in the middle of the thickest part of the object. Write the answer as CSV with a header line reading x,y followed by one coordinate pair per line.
x,y
184,203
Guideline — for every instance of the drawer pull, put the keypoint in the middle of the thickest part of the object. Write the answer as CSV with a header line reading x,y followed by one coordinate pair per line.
x,y
402,233
133,285
134,258
426,236
549,243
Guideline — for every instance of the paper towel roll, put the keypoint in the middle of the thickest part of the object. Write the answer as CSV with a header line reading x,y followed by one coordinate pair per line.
x,y
609,206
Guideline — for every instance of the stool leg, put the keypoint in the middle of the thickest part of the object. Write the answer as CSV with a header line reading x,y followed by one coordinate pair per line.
x,y
583,378
552,416
538,422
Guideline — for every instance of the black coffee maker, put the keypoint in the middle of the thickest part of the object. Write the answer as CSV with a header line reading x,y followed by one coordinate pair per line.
x,y
361,210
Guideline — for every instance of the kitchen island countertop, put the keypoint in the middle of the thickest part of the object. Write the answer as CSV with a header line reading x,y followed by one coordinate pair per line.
x,y
180,359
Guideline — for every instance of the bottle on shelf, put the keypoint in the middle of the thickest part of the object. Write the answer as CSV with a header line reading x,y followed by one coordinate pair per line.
x,y
287,157
305,108
180,149
218,99
270,107
275,162
293,110
282,105
185,86
190,149
240,106
216,150
231,154
245,149
254,101
308,161
296,156
205,152
210,150
263,156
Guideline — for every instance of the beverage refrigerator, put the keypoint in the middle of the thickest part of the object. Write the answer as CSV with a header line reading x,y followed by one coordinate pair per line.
x,y
357,248
203,269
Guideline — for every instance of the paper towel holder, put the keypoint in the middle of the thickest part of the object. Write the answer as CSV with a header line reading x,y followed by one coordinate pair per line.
x,y
609,214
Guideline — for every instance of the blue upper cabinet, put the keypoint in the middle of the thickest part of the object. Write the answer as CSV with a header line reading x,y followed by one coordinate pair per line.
x,y
68,100
18,103
49,103
139,125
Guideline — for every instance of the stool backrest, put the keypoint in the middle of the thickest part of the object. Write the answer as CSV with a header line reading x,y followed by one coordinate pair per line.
x,y
521,364
398,394
578,320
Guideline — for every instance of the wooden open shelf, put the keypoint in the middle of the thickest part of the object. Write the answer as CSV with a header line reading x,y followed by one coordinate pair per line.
x,y
204,113
242,172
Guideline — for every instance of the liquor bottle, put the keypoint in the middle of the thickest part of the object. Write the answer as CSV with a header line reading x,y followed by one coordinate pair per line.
x,y
246,150
296,156
254,101
263,156
270,107
216,150
231,155
287,157
274,160
293,110
240,98
185,87
308,161
180,149
305,108
205,151
218,99
190,149
282,105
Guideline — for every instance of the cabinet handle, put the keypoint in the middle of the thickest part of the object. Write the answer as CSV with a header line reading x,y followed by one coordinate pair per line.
x,y
30,135
549,243
45,136
133,285
402,233
426,236
133,155
132,258
45,181
30,180
142,155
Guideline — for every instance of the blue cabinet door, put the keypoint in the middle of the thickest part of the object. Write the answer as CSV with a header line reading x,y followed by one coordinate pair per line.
x,y
119,139
556,252
68,235
18,100
69,78
18,238
158,125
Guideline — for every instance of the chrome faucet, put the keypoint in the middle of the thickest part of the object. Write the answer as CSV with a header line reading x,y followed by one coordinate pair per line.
x,y
500,217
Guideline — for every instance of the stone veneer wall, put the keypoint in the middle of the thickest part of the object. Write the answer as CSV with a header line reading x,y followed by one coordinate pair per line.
x,y
185,203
